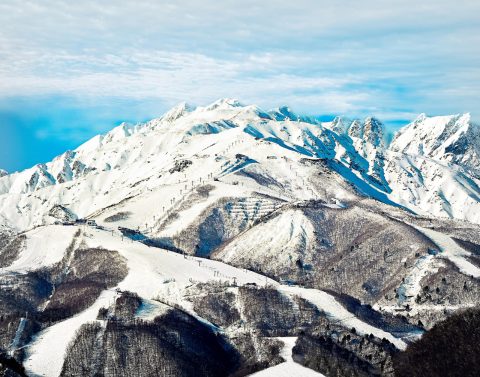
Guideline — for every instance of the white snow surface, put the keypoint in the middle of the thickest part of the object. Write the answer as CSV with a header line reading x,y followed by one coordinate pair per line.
x,y
289,368
150,268
45,246
452,251
297,233
435,137
160,273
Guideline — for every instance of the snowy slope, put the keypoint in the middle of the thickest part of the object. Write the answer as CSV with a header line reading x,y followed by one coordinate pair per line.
x,y
44,247
45,354
329,305
160,273
283,246
289,367
451,250
431,187
152,273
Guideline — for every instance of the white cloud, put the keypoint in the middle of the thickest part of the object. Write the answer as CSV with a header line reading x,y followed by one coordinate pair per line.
x,y
321,56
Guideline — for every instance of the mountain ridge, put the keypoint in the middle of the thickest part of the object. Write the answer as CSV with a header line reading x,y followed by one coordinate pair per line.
x,y
395,173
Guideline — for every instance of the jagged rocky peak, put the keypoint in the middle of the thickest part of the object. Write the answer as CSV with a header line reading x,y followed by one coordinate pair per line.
x,y
283,113
370,130
419,119
355,129
3,173
120,132
65,174
373,131
40,178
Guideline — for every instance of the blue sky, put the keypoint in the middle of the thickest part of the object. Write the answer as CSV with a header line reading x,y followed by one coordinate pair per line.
x,y
70,70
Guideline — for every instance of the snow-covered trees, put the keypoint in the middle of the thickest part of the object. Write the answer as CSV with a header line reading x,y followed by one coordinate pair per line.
x,y
450,348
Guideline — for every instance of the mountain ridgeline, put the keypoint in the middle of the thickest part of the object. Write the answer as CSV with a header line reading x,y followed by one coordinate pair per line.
x,y
226,240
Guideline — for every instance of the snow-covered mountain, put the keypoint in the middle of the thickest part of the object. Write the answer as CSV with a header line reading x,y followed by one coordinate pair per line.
x,y
450,139
431,166
241,198
3,173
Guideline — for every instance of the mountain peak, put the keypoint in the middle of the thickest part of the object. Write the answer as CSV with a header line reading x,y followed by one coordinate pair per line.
x,y
372,119
465,118
339,125
177,111
373,131
283,113
3,173
121,131
224,102
420,118
136,148
449,138
370,130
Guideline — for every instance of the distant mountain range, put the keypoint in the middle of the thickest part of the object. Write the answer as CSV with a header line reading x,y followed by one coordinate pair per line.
x,y
430,167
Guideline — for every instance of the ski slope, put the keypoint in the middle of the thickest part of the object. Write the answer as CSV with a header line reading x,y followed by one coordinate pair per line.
x,y
46,353
155,273
452,251
327,303
289,368
150,176
151,272
45,246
